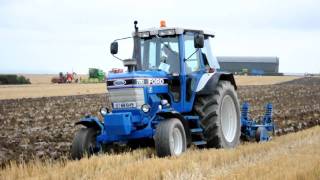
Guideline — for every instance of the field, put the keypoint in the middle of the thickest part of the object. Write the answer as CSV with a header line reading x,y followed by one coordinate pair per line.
x,y
263,80
42,128
41,86
244,80
45,78
294,156
48,90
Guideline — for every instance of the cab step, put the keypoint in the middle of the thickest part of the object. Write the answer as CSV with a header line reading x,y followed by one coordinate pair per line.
x,y
199,143
196,130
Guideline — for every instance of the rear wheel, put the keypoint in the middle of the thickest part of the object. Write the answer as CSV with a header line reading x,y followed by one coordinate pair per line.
x,y
84,143
220,116
170,138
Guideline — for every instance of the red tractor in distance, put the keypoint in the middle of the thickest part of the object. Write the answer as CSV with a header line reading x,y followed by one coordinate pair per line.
x,y
66,78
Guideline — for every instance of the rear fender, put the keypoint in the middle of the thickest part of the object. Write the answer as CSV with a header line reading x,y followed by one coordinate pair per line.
x,y
91,122
175,114
212,83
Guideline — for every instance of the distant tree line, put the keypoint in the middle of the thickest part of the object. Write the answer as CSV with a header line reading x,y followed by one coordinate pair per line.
x,y
13,79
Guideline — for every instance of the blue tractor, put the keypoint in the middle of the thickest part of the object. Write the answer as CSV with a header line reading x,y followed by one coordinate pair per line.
x,y
171,95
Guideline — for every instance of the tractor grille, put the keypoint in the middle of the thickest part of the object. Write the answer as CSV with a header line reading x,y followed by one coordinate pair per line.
x,y
126,98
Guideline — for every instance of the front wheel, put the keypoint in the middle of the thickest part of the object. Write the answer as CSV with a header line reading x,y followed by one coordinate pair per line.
x,y
170,138
84,143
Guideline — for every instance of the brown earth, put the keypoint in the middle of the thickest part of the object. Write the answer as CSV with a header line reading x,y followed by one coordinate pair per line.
x,y
296,103
44,127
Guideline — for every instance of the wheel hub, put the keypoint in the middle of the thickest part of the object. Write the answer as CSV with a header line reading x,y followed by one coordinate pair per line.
x,y
176,141
228,118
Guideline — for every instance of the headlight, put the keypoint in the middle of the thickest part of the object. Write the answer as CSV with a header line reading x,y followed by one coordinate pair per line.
x,y
104,111
145,108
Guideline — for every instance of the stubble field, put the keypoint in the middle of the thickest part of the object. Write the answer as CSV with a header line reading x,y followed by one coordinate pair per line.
x,y
293,156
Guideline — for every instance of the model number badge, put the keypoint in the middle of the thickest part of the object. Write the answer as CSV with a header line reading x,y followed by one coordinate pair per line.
x,y
121,105
140,81
155,81
119,82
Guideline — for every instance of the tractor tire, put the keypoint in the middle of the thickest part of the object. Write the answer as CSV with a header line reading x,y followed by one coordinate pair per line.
x,y
170,138
84,143
220,116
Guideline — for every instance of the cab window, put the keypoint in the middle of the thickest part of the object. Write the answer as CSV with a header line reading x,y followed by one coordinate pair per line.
x,y
193,61
209,60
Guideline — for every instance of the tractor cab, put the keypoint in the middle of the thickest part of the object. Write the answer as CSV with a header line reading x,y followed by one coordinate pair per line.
x,y
175,57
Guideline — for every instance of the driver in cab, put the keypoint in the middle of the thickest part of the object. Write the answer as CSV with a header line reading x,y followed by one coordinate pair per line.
x,y
171,59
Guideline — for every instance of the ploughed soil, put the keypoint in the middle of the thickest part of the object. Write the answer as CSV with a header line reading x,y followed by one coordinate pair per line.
x,y
44,127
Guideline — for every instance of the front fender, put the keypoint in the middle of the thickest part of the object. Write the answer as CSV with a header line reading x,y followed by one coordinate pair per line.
x,y
91,122
210,85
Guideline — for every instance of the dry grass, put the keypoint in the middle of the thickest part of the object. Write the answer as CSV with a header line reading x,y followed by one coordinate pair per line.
x,y
45,90
263,80
40,78
294,156
41,86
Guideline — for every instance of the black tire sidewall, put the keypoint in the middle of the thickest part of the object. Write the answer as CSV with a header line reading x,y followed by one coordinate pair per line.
x,y
81,142
91,137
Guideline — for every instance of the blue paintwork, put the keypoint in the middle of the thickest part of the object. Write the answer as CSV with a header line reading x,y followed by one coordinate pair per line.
x,y
118,123
249,127
122,125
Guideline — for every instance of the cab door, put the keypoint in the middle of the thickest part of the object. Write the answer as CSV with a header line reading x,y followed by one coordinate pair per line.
x,y
193,68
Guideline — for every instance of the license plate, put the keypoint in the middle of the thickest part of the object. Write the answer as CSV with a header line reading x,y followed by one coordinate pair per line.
x,y
123,105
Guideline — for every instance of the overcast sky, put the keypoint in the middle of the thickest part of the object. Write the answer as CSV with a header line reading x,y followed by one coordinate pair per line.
x,y
49,36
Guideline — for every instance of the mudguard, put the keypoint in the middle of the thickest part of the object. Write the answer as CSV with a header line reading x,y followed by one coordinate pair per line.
x,y
91,122
212,83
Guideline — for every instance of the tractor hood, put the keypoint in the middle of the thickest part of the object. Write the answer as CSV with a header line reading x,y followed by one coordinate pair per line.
x,y
136,79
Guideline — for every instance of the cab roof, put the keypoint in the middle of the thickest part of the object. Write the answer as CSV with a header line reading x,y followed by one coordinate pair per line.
x,y
176,30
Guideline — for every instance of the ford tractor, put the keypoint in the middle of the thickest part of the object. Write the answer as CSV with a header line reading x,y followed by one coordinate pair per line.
x,y
172,94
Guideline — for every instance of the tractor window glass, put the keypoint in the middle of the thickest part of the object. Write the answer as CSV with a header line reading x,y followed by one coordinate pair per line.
x,y
152,57
170,56
160,52
193,63
209,59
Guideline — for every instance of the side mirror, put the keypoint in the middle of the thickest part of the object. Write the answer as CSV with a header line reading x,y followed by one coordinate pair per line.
x,y
199,41
114,47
